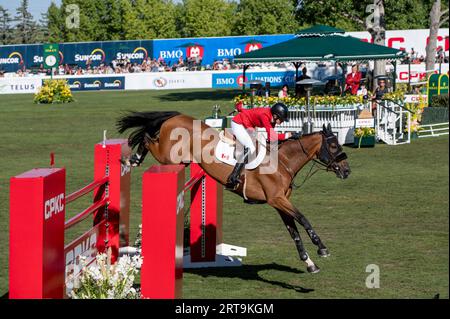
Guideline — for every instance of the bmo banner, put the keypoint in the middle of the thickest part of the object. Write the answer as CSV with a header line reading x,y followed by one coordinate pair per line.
x,y
212,49
224,80
96,83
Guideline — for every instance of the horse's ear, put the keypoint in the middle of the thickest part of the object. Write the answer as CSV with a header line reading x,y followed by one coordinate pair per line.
x,y
324,128
329,128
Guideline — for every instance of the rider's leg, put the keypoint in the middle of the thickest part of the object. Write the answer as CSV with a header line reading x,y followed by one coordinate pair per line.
x,y
244,138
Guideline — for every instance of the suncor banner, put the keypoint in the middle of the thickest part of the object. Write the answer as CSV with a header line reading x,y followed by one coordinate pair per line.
x,y
236,79
97,83
13,58
212,49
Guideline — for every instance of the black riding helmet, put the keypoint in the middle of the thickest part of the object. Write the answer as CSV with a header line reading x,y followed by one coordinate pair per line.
x,y
281,111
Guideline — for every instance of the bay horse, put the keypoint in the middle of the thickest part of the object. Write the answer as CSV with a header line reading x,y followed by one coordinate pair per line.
x,y
152,132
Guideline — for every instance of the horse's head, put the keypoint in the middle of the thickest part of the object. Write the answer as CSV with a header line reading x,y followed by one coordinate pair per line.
x,y
332,155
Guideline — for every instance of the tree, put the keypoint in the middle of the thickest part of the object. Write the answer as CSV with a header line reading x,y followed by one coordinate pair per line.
x,y
5,26
160,19
26,26
113,20
376,25
345,14
265,17
406,14
437,19
206,18
132,17
55,24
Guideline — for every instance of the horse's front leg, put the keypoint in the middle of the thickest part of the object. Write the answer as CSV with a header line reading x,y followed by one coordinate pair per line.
x,y
285,205
293,231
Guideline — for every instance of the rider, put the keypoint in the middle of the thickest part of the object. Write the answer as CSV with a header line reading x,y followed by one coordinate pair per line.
x,y
251,119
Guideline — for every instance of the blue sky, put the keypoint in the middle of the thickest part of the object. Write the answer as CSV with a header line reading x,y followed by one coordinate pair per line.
x,y
36,7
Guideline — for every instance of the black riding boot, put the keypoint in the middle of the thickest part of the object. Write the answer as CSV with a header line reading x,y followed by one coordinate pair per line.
x,y
233,179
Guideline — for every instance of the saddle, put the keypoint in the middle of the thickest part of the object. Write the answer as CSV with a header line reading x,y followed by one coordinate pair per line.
x,y
226,137
226,150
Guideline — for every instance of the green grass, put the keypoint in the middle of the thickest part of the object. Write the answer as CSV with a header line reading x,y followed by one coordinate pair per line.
x,y
392,211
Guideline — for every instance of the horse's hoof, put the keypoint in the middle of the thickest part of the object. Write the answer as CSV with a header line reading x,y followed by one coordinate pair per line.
x,y
323,252
313,269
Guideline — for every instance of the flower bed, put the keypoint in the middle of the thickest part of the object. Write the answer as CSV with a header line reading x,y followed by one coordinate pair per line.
x,y
54,91
325,102
364,136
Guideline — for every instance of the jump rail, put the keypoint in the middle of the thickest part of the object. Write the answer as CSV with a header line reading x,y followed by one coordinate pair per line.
x,y
37,223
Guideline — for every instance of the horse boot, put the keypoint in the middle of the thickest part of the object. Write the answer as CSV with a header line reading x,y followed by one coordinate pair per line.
x,y
234,180
137,158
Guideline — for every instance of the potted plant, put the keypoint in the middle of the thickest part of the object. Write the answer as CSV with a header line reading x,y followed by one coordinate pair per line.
x,y
364,136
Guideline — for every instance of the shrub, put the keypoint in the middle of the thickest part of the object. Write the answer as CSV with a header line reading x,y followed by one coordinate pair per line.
x,y
54,91
439,100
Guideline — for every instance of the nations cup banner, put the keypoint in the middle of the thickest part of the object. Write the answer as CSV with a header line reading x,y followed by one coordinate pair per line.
x,y
224,80
96,83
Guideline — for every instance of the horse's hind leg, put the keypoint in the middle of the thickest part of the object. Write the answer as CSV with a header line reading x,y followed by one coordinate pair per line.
x,y
284,204
293,231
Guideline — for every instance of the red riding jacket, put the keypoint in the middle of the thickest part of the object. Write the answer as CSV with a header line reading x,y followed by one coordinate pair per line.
x,y
258,117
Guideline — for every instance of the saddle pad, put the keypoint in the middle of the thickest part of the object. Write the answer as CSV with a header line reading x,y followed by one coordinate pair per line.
x,y
224,152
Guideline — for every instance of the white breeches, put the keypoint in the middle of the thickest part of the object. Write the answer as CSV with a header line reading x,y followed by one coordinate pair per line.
x,y
242,136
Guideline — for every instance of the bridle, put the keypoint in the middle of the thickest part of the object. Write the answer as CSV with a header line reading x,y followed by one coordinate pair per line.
x,y
327,160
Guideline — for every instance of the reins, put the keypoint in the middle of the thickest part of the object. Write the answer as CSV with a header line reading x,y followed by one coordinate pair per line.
x,y
309,175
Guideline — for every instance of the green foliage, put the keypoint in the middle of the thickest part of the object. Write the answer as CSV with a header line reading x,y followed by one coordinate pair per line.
x,y
5,26
264,17
439,100
346,14
206,18
54,22
26,26
54,91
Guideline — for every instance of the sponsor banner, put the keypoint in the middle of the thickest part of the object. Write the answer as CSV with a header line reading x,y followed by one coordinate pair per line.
x,y
416,98
365,122
408,39
168,81
417,72
236,79
14,57
19,85
209,50
96,83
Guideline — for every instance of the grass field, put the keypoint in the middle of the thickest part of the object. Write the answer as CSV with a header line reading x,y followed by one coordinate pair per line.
x,y
392,211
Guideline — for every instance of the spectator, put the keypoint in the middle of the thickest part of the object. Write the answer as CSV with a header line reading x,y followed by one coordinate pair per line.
x,y
300,89
267,89
378,94
352,80
259,90
283,93
362,91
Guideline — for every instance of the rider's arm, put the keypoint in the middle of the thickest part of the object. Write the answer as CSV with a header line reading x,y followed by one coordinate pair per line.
x,y
271,134
239,106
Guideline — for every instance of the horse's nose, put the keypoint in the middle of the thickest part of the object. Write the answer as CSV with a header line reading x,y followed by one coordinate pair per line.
x,y
347,172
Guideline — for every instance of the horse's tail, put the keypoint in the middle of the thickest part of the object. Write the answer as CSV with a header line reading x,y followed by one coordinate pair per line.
x,y
145,122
